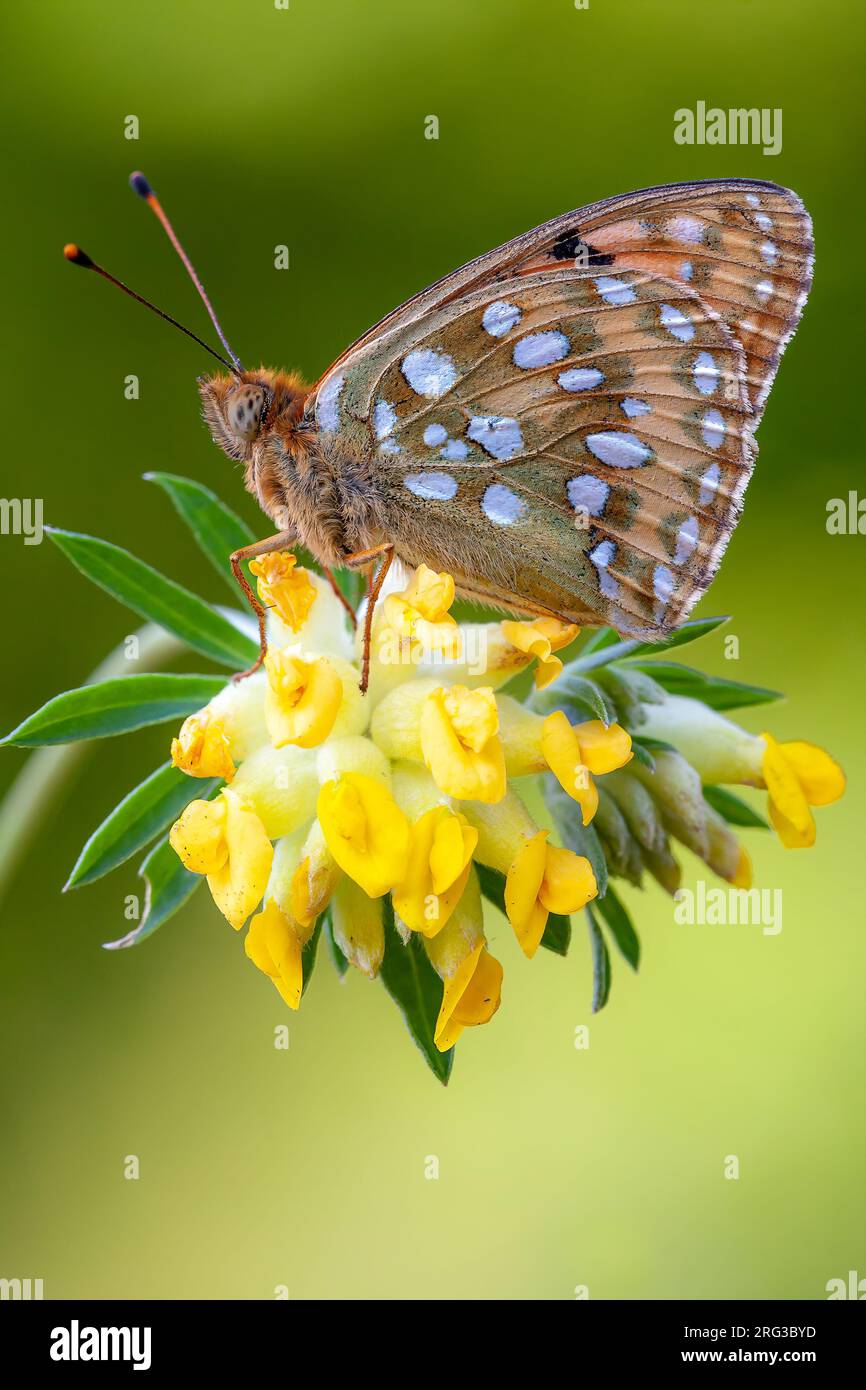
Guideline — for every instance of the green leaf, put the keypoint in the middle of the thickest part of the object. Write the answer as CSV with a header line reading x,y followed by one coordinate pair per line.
x,y
168,885
571,689
715,691
652,745
618,651
602,637
142,815
114,707
149,593
215,528
557,933
341,965
732,809
309,952
620,926
600,964
582,839
416,989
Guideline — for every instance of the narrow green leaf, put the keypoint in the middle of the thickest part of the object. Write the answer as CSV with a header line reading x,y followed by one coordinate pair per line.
x,y
341,965
652,745
602,637
308,956
557,933
582,839
618,651
620,926
571,689
600,964
215,528
114,707
142,815
416,989
734,811
149,593
168,886
715,691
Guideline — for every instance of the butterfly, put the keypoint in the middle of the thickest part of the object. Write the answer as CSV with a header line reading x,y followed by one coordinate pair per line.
x,y
565,424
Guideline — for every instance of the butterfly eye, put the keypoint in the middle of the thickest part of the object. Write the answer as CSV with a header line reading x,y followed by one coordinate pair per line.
x,y
244,409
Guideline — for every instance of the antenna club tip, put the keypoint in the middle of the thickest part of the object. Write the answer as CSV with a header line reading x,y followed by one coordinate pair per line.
x,y
75,254
139,184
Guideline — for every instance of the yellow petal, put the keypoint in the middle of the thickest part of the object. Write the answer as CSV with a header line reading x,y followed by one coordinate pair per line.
x,y
563,754
799,835
438,868
568,883
460,744
523,882
198,838
603,747
366,831
742,876
202,748
238,886
787,799
541,638
289,591
272,944
819,775
469,997
302,701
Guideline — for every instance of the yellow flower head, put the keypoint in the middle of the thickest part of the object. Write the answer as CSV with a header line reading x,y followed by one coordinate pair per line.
x,y
202,748
440,858
798,775
574,753
544,879
421,613
225,840
302,701
459,742
541,638
273,945
289,591
471,996
365,830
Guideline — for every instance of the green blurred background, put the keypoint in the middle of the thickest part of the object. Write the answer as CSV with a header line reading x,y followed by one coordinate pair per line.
x,y
306,1168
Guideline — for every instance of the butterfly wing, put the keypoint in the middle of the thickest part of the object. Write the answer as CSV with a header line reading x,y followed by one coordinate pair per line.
x,y
565,423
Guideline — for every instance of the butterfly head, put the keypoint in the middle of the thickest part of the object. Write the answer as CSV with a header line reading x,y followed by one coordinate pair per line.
x,y
244,409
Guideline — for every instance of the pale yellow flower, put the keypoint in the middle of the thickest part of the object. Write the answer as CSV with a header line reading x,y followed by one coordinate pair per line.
x,y
302,700
541,638
283,587
201,749
459,743
225,840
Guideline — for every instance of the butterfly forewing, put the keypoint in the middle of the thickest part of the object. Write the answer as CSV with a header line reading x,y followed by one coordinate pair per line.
x,y
565,424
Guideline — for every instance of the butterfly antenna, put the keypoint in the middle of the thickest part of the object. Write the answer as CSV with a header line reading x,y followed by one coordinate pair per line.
x,y
140,185
76,256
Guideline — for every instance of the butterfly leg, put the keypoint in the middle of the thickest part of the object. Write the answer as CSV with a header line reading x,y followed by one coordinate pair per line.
x,y
374,586
329,575
281,541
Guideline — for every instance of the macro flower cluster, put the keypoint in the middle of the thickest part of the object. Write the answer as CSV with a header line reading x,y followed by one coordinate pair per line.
x,y
333,800
384,821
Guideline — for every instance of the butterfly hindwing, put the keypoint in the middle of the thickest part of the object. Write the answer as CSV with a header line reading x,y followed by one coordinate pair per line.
x,y
575,437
